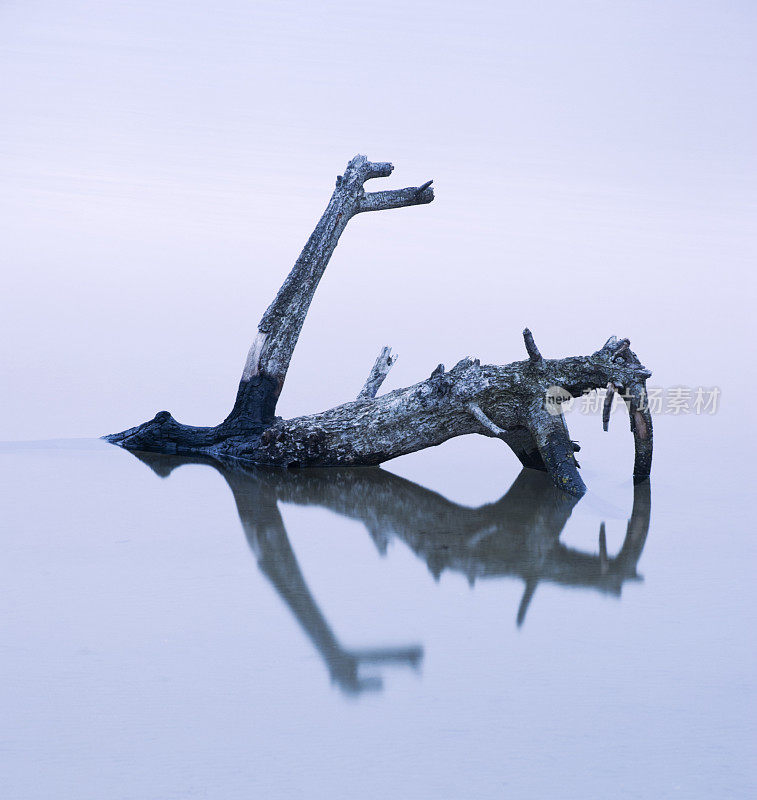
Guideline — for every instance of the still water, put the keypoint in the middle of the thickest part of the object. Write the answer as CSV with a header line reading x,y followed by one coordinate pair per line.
x,y
445,627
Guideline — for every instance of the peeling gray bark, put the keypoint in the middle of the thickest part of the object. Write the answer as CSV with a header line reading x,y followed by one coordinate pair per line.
x,y
507,402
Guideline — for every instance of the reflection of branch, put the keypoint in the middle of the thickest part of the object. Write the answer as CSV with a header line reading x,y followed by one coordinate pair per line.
x,y
256,499
516,536
267,537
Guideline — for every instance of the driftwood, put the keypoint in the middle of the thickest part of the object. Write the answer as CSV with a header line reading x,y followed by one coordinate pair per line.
x,y
518,536
506,402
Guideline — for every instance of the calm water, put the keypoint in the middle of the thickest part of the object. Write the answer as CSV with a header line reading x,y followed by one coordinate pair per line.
x,y
452,628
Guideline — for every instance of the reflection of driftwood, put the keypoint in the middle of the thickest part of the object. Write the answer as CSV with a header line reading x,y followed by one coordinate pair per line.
x,y
264,528
507,402
256,498
516,536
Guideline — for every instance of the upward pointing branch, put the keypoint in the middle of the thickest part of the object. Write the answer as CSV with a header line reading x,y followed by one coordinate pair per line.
x,y
281,324
531,348
379,371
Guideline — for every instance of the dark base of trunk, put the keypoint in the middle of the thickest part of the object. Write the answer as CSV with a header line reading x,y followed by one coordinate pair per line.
x,y
252,413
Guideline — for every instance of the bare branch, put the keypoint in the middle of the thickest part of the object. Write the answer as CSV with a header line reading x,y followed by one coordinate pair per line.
x,y
551,436
378,169
531,348
640,416
280,327
396,198
476,411
607,405
378,373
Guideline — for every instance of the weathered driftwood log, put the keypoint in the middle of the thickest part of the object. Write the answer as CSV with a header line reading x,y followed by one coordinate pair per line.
x,y
507,402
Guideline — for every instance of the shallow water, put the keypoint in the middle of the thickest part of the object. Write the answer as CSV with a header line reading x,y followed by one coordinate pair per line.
x,y
178,630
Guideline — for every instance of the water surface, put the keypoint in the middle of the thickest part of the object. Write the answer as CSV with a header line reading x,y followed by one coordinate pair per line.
x,y
177,629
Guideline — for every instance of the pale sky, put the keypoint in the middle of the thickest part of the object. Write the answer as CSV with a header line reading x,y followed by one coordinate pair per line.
x,y
162,165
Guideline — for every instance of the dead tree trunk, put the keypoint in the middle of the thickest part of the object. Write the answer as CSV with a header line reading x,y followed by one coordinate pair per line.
x,y
507,402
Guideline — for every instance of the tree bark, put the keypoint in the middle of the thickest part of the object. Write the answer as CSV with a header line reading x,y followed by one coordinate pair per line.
x,y
506,402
